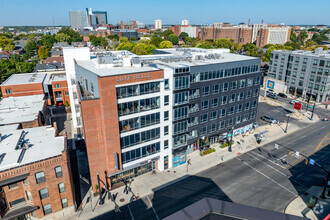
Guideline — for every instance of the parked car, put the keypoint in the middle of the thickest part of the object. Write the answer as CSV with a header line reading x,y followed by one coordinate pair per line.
x,y
282,95
294,101
270,91
255,125
269,119
272,96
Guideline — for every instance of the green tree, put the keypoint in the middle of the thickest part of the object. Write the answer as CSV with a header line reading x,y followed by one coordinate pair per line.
x,y
293,37
166,34
123,40
204,44
43,52
31,47
150,49
74,36
155,41
140,49
126,46
174,39
302,37
62,37
309,43
6,43
268,46
183,36
113,37
144,41
295,46
223,43
266,58
165,44
251,49
47,41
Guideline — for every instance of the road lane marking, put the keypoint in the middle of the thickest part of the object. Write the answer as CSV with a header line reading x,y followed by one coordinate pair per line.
x,y
130,212
153,208
300,175
318,148
274,181
268,165
268,159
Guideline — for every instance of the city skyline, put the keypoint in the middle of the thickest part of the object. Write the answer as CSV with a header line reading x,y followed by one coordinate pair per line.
x,y
290,13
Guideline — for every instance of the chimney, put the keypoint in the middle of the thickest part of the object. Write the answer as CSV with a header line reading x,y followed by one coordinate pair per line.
x,y
249,22
56,130
262,21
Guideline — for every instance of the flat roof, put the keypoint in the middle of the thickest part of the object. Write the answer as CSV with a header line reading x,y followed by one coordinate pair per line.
x,y
92,66
41,142
59,78
20,109
24,78
6,128
322,53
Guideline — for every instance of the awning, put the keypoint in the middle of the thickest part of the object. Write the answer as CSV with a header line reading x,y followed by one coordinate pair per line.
x,y
20,210
14,179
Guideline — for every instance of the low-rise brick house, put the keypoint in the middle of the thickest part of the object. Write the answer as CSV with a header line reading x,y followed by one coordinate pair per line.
x,y
35,176
60,89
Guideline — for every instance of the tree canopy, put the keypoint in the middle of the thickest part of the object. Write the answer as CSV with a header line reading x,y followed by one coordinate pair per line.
x,y
293,37
155,41
6,43
174,39
223,43
72,35
183,36
31,47
165,44
43,52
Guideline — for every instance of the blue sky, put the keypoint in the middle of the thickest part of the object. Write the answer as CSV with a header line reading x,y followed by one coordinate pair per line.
x,y
40,12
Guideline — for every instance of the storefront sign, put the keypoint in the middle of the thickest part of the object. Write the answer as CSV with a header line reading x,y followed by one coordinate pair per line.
x,y
133,77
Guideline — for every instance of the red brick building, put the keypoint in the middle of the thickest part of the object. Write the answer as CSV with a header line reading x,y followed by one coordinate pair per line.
x,y
35,177
60,89
23,84
241,35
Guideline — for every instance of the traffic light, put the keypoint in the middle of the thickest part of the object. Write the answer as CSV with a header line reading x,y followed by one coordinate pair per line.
x,y
306,161
288,153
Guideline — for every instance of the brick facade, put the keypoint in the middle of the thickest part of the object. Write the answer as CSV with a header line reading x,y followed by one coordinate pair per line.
x,y
241,35
51,183
23,90
63,89
101,126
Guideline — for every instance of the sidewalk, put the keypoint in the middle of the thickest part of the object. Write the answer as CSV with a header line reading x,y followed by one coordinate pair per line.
x,y
149,183
299,206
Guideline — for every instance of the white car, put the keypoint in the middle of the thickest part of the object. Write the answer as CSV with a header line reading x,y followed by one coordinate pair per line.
x,y
294,101
270,91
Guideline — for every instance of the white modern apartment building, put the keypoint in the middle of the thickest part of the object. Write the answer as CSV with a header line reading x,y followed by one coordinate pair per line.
x,y
158,24
144,113
306,73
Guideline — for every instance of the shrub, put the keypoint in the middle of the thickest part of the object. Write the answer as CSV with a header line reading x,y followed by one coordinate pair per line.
x,y
211,150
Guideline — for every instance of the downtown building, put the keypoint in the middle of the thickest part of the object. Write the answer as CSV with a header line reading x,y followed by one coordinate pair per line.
x,y
144,113
305,73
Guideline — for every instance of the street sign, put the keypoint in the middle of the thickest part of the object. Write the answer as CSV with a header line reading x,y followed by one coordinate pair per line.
x,y
297,154
297,105
276,146
311,161
311,106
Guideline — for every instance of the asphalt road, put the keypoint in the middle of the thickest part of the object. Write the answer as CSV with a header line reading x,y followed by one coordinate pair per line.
x,y
265,177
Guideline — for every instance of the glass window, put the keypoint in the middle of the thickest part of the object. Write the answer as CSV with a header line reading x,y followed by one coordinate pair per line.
x,y
203,117
215,89
225,86
242,83
206,90
222,113
167,84
17,202
13,186
166,100
47,209
214,102
247,106
165,130
3,205
239,108
203,130
9,91
205,104
28,195
233,85
57,85
213,115
40,177
165,144
64,203
61,187
231,110
166,116
58,171
223,100
43,193
213,127
232,98
249,82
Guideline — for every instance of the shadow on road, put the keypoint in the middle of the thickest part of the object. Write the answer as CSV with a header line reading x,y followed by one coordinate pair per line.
x,y
169,199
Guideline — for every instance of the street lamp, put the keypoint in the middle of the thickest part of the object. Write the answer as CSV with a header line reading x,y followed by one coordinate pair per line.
x,y
231,137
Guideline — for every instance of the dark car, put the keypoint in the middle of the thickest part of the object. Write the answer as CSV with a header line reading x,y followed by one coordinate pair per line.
x,y
282,95
272,96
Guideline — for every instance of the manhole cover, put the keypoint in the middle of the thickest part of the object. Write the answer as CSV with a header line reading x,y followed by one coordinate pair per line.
x,y
122,200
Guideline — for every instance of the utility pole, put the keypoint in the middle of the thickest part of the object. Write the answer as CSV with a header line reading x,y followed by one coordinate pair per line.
x,y
325,186
287,124
313,112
